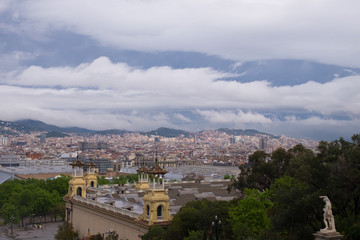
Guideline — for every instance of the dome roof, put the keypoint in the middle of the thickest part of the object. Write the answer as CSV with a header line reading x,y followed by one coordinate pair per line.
x,y
77,163
143,169
156,170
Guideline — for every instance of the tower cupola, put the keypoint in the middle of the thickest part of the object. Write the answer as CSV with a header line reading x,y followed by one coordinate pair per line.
x,y
91,178
156,199
143,179
77,184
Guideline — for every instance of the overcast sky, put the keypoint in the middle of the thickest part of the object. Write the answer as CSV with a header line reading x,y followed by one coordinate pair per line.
x,y
59,63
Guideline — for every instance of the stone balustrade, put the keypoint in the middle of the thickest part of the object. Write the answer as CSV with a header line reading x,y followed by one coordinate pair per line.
x,y
155,186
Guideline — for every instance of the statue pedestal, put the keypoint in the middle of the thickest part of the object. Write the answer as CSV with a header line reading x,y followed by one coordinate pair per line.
x,y
328,236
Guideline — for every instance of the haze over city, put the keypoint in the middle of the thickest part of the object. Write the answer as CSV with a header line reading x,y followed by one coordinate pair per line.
x,y
283,67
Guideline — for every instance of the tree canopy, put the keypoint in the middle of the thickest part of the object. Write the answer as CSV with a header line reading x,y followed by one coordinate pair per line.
x,y
280,197
194,220
66,232
294,179
23,198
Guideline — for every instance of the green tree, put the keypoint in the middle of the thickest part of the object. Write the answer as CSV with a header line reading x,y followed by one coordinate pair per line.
x,y
186,220
33,196
112,236
44,201
24,200
102,180
57,210
195,235
132,178
341,159
10,213
262,170
66,232
154,233
250,173
249,216
305,167
8,188
120,180
280,160
96,237
59,185
198,216
297,177
293,214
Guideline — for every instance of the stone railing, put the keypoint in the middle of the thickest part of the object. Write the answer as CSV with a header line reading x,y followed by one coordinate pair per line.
x,y
107,207
157,186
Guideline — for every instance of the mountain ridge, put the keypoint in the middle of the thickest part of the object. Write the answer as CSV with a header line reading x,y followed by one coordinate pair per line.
x,y
29,125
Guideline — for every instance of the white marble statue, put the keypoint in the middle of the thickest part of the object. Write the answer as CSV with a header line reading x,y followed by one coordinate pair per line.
x,y
328,216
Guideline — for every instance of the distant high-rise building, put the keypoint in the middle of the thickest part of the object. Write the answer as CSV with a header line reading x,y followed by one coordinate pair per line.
x,y
232,140
195,139
92,145
21,143
262,143
4,140
43,138
102,164
10,160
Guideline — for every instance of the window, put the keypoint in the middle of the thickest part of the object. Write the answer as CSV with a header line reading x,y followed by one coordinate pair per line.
x,y
159,211
79,191
68,212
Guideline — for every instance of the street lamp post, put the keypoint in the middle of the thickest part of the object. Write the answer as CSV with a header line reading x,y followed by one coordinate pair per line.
x,y
11,224
216,224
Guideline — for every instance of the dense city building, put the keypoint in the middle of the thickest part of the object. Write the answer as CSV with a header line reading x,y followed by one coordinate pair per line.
x,y
131,209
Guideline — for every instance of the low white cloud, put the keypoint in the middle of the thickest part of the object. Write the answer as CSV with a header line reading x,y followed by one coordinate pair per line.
x,y
319,128
181,117
4,5
104,95
236,118
106,85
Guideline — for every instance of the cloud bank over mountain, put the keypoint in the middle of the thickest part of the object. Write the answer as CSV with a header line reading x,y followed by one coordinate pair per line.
x,y
140,65
103,95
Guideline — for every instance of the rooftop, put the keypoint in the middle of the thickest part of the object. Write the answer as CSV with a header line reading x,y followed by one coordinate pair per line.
x,y
127,199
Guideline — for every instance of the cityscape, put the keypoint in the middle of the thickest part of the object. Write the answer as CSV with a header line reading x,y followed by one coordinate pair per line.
x,y
179,120
115,152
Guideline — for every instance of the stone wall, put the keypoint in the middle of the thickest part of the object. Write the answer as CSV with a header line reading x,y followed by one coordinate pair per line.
x,y
95,219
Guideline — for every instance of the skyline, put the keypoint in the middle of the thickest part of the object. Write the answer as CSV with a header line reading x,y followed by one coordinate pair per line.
x,y
141,65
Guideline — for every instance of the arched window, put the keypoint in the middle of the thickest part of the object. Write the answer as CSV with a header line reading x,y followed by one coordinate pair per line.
x,y
79,191
159,211
92,183
148,210
68,212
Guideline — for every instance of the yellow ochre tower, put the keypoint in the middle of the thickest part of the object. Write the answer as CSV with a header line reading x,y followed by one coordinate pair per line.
x,y
77,184
91,178
156,200
143,179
